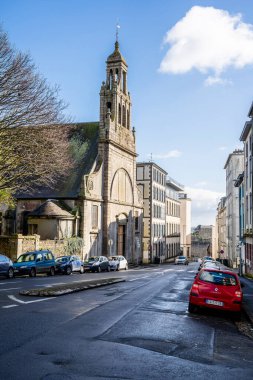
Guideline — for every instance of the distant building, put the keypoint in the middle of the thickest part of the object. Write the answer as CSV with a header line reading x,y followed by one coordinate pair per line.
x,y
185,224
151,181
202,241
221,230
233,166
172,218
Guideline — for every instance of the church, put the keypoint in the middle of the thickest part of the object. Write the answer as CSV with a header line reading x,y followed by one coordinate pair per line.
x,y
99,201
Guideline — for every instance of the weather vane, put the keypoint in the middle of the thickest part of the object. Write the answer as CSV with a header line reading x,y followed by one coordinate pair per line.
x,y
117,31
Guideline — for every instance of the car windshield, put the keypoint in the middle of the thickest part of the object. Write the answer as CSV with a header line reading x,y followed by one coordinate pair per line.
x,y
62,259
219,278
112,258
181,257
27,257
94,258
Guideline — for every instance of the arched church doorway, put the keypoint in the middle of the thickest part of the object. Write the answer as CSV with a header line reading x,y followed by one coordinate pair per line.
x,y
121,239
121,234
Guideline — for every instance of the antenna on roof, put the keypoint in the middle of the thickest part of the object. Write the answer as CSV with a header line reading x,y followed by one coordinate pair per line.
x,y
151,157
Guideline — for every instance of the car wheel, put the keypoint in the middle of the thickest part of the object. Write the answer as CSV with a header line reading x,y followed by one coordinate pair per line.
x,y
108,268
68,270
10,273
81,270
191,308
52,271
32,272
237,316
126,267
99,269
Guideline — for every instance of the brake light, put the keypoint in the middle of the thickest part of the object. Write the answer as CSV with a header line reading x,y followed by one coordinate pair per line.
x,y
195,286
238,294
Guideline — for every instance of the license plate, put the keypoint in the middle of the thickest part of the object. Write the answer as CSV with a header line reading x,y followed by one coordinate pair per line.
x,y
212,302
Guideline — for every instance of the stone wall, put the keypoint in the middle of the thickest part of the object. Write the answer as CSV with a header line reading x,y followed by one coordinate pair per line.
x,y
13,246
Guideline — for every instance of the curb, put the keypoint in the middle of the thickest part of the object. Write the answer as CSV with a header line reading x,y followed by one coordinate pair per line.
x,y
61,290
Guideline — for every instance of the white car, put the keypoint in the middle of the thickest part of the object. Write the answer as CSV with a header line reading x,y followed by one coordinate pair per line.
x,y
118,262
181,260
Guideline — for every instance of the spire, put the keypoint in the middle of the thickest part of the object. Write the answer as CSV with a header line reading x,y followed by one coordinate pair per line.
x,y
117,32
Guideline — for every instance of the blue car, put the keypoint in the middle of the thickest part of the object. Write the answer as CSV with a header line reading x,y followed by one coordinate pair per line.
x,y
35,262
6,266
69,264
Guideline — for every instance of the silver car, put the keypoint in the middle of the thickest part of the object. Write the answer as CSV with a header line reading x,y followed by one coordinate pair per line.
x,y
118,262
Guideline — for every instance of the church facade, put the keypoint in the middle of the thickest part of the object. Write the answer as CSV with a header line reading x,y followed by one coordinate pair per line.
x,y
100,201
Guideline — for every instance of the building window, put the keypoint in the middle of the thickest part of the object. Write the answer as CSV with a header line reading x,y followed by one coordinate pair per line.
x,y
136,220
32,229
140,173
119,114
94,216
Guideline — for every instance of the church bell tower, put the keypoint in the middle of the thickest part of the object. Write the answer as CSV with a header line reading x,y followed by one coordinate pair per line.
x,y
117,152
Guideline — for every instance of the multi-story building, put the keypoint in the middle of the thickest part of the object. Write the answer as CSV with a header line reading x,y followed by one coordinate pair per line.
x,y
185,224
172,219
221,230
247,233
151,181
240,247
233,166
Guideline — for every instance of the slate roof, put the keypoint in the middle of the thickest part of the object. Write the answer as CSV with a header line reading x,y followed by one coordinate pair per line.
x,y
51,208
83,145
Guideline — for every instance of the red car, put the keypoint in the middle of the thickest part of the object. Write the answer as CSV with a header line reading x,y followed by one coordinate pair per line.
x,y
218,289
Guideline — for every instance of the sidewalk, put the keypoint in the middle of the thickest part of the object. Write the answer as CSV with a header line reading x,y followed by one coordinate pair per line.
x,y
247,297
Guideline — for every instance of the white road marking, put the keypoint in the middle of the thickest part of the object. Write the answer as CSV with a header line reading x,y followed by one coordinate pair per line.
x,y
43,285
9,306
2,290
13,282
49,285
26,302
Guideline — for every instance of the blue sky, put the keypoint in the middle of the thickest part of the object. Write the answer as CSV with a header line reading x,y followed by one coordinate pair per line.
x,y
190,75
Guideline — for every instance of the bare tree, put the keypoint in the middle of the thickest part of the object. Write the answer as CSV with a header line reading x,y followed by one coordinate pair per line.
x,y
33,130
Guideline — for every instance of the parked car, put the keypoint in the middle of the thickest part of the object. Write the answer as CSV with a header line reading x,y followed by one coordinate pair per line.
x,y
97,264
35,262
118,262
216,288
6,266
181,260
69,264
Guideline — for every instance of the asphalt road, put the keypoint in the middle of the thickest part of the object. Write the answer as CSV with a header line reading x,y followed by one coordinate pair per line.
x,y
137,329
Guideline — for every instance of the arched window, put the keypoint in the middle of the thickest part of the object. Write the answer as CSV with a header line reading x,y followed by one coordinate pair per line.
x,y
124,116
117,75
128,119
110,79
119,114
109,106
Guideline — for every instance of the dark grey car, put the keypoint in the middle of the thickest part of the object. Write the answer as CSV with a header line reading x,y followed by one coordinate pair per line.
x,y
6,266
97,264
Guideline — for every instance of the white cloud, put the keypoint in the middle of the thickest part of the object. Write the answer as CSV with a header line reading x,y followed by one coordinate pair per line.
x,y
202,183
216,80
222,148
208,40
172,154
204,205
